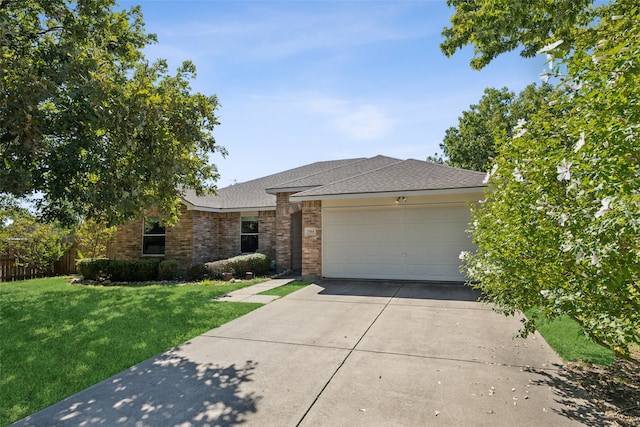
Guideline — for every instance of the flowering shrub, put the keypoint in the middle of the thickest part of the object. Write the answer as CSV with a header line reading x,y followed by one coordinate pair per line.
x,y
560,227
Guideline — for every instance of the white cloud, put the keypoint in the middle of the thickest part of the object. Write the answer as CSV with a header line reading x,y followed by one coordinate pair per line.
x,y
359,121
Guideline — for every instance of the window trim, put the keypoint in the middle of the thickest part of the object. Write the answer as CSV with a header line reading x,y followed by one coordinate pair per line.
x,y
145,220
250,218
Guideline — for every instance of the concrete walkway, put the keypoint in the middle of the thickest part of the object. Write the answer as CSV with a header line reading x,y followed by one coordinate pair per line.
x,y
344,354
250,293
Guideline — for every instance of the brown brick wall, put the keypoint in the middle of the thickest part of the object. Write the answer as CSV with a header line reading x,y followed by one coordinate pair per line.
x,y
197,237
228,234
284,210
312,245
267,233
179,239
205,236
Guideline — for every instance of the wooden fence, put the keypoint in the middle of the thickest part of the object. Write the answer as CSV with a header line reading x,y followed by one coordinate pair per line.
x,y
10,271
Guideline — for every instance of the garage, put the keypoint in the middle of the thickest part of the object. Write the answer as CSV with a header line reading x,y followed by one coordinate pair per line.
x,y
398,242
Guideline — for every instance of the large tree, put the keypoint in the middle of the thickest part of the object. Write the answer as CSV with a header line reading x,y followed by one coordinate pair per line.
x,y
472,144
560,224
87,122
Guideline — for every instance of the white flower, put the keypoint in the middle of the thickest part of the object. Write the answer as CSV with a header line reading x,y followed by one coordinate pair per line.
x,y
544,293
579,256
519,128
566,247
550,47
518,175
563,219
580,143
463,255
595,260
564,171
493,170
604,209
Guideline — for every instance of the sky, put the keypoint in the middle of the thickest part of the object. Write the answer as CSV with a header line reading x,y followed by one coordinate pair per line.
x,y
304,81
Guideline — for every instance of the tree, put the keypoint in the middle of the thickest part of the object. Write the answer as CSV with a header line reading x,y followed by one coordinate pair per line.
x,y
30,241
93,239
472,145
501,26
86,121
559,227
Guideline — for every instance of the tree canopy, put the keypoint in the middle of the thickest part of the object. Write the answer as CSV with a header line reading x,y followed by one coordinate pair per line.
x,y
472,144
560,224
501,26
87,122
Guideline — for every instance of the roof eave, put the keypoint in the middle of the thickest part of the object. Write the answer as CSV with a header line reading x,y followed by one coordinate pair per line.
x,y
191,207
433,192
276,190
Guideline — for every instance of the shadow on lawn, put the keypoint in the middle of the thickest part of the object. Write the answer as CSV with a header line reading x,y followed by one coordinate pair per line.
x,y
167,390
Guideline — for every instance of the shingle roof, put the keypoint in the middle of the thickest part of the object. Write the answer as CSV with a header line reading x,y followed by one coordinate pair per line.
x,y
408,175
348,170
378,174
252,194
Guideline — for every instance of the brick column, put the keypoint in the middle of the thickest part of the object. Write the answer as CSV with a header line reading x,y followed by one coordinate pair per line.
x,y
284,210
312,244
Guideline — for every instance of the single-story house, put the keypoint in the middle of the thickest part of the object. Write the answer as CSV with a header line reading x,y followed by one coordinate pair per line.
x,y
365,218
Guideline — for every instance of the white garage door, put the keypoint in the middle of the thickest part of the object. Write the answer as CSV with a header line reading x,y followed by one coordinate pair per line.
x,y
399,242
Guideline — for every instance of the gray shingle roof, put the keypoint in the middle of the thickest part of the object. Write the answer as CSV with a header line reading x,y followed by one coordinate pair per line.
x,y
252,194
408,175
336,174
378,174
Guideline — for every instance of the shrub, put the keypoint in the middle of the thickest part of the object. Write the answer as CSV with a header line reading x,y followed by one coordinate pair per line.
x,y
141,270
197,272
168,270
257,263
93,268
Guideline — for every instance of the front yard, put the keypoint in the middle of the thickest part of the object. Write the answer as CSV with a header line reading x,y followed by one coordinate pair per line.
x,y
58,339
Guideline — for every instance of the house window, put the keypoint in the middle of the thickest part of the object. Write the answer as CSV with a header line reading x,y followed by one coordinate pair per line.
x,y
153,235
249,234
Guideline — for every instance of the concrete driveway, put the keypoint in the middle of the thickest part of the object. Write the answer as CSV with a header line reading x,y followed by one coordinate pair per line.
x,y
344,354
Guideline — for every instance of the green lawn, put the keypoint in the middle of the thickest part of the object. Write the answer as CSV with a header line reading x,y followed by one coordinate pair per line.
x,y
565,336
285,290
57,339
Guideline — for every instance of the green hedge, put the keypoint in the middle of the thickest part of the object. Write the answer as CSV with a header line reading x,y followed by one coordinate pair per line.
x,y
141,270
168,270
256,263
93,268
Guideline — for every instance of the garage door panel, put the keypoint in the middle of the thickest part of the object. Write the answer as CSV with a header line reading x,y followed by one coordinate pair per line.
x,y
395,243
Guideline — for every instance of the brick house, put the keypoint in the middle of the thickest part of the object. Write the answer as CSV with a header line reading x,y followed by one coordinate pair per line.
x,y
377,218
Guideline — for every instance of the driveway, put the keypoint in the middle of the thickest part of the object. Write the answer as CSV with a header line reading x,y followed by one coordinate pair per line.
x,y
345,354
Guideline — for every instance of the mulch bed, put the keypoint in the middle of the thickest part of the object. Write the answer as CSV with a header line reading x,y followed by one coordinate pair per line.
x,y
615,389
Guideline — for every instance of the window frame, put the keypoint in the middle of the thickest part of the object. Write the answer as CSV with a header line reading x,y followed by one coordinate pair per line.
x,y
250,218
146,235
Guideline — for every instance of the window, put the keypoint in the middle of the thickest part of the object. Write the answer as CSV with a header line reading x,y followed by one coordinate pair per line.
x,y
152,237
249,234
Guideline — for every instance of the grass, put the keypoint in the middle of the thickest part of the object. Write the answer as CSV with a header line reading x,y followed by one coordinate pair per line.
x,y
285,290
57,339
566,337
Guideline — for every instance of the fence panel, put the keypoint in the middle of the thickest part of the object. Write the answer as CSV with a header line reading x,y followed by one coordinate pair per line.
x,y
10,271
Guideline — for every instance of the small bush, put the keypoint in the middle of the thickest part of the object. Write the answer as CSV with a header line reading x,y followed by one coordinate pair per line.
x,y
140,270
168,270
93,268
197,272
256,263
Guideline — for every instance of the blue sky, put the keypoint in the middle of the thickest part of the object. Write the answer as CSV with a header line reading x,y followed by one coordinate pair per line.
x,y
302,81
